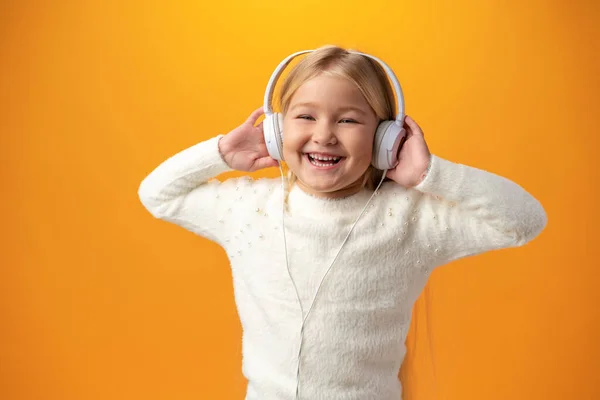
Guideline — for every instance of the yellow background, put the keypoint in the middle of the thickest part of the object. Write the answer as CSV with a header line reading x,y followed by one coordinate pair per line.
x,y
100,301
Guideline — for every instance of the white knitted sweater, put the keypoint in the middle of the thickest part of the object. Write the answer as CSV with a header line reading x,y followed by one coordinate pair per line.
x,y
354,337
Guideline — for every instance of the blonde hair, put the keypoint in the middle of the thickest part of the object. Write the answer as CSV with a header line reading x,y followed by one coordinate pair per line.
x,y
365,73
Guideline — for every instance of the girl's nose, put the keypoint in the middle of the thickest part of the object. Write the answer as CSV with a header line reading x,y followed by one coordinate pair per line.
x,y
324,135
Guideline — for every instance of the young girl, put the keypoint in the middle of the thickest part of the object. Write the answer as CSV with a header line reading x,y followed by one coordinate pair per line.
x,y
326,270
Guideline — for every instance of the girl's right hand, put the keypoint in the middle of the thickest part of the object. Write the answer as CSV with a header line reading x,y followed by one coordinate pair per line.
x,y
244,148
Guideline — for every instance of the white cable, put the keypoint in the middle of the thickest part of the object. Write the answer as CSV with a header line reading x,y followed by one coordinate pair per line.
x,y
326,272
288,269
284,240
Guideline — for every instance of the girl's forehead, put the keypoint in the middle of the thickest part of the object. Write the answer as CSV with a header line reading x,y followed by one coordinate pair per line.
x,y
325,89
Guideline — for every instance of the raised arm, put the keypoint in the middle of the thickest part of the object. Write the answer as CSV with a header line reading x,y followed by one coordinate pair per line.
x,y
464,210
470,211
179,190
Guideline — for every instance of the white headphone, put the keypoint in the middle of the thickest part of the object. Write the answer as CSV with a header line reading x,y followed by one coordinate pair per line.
x,y
388,136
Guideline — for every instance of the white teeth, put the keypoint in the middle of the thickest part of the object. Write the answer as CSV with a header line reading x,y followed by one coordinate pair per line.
x,y
320,164
321,161
322,158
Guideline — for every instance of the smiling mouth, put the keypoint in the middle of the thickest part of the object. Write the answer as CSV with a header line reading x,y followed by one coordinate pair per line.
x,y
323,161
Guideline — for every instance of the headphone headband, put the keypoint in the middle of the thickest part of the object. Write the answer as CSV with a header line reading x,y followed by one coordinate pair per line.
x,y
390,74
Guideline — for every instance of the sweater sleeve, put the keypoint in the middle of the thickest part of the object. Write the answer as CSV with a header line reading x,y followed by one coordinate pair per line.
x,y
472,211
179,191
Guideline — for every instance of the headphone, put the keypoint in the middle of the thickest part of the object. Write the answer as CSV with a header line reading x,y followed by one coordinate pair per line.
x,y
388,136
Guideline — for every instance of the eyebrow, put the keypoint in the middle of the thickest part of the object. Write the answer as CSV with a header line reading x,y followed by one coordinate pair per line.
x,y
315,105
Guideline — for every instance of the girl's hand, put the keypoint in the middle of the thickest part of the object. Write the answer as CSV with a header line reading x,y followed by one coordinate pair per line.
x,y
244,148
413,157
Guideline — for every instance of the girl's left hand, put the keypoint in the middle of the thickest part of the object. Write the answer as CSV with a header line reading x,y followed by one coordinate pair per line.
x,y
413,157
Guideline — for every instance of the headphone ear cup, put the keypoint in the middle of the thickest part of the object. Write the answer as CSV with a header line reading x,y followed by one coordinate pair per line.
x,y
280,133
388,136
273,135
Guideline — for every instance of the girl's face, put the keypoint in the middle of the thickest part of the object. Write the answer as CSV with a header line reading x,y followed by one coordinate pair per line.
x,y
328,133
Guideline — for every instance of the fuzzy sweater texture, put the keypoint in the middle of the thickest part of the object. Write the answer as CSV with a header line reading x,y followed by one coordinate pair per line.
x,y
354,338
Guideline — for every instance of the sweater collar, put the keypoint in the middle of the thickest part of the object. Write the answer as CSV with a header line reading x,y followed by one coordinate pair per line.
x,y
301,203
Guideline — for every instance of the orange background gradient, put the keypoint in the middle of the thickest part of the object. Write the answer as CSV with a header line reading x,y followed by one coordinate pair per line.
x,y
98,300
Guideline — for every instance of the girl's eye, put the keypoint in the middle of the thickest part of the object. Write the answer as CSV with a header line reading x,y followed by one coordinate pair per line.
x,y
344,120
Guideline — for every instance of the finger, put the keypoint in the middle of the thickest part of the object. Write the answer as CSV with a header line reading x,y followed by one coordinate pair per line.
x,y
255,115
408,132
265,162
414,127
260,126
402,141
